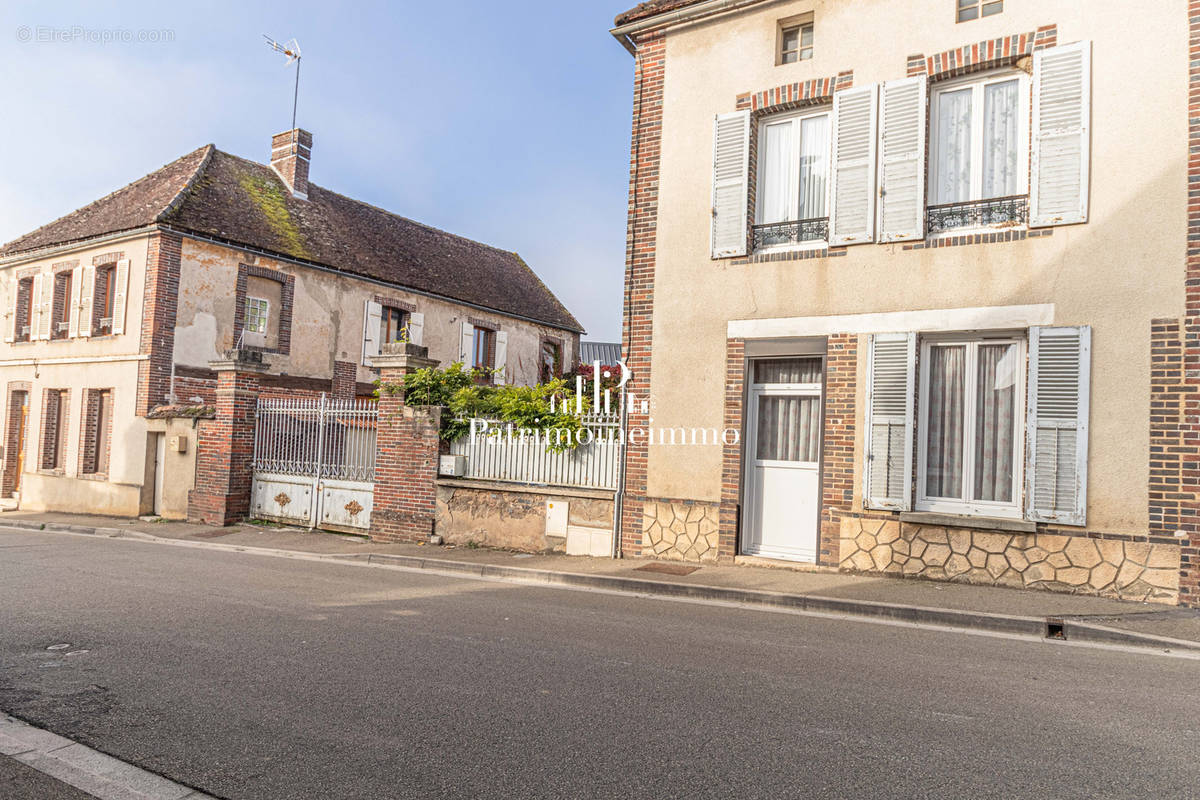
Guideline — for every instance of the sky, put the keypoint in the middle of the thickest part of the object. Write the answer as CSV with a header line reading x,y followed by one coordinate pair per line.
x,y
506,122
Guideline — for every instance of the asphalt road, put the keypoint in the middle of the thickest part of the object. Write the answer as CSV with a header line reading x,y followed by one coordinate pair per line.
x,y
255,677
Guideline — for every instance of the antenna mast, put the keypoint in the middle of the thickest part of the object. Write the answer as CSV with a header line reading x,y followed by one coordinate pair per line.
x,y
292,51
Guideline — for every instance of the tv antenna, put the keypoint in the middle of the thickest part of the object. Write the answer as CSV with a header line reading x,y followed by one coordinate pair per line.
x,y
292,51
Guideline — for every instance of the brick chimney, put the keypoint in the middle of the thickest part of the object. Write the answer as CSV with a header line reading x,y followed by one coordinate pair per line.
x,y
290,152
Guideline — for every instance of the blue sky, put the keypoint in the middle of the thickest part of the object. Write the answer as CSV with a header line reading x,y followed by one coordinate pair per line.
x,y
505,122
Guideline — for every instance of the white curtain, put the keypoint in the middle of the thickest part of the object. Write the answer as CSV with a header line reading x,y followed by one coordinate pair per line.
x,y
944,455
953,147
777,168
787,370
814,166
996,394
1000,118
788,428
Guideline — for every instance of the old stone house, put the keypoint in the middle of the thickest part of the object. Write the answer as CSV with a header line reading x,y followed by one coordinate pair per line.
x,y
934,264
114,313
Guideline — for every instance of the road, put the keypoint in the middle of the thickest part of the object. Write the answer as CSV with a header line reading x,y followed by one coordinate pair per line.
x,y
256,677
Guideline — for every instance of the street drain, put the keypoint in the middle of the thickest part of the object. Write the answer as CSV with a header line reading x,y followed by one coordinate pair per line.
x,y
1055,629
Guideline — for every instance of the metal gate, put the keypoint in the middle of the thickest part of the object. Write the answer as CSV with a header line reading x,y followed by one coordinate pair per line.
x,y
314,462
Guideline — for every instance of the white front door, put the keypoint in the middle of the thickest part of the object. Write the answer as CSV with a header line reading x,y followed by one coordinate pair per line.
x,y
783,452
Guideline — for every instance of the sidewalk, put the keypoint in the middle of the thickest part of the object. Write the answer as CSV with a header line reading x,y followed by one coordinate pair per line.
x,y
1085,618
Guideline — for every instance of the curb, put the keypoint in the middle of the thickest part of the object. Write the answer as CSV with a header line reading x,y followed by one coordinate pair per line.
x,y
1068,629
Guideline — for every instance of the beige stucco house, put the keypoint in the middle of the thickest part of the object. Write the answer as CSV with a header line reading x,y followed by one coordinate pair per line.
x,y
927,261
113,314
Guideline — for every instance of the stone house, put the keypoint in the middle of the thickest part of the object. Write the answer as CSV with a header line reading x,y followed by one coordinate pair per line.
x,y
942,254
114,313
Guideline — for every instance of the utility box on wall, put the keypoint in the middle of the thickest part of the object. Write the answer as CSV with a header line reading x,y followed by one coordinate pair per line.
x,y
452,466
177,444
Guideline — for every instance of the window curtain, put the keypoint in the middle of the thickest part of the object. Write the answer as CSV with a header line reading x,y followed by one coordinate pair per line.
x,y
953,147
1000,117
788,428
777,167
996,391
814,166
788,370
944,455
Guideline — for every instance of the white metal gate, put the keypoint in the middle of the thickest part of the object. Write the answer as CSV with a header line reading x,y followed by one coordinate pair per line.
x,y
314,462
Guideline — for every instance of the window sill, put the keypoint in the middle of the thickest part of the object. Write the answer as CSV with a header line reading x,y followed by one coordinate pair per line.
x,y
964,521
93,476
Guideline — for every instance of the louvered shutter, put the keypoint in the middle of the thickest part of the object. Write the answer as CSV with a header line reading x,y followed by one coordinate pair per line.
x,y
852,216
1061,144
889,443
731,165
501,357
121,290
467,345
372,318
87,292
416,327
35,308
13,288
902,112
1057,429
72,310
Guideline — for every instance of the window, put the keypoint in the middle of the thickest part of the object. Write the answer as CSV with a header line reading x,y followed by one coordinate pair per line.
x,y
60,324
24,310
793,158
979,152
551,366
258,312
392,325
103,297
974,9
971,401
484,348
54,429
97,432
795,43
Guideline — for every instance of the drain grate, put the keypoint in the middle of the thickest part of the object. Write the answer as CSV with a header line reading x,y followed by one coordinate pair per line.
x,y
668,569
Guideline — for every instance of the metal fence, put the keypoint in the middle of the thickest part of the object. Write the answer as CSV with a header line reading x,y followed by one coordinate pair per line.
x,y
506,455
321,438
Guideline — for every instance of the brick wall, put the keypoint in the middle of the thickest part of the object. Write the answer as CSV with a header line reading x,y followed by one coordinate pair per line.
x,y
406,463
159,309
18,394
225,452
345,380
978,56
731,455
837,457
640,244
24,308
95,445
1189,443
55,413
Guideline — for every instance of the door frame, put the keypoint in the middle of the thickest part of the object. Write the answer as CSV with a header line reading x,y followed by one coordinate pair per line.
x,y
746,517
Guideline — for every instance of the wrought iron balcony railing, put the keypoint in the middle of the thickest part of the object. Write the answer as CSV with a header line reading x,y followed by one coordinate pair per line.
x,y
794,232
996,212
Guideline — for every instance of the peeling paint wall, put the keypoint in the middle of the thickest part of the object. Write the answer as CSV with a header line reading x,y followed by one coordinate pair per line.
x,y
327,318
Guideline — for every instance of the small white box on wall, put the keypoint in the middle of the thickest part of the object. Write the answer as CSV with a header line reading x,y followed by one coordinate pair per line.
x,y
177,444
556,517
452,466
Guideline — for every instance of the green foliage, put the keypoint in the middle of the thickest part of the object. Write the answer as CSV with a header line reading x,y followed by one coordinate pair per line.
x,y
436,387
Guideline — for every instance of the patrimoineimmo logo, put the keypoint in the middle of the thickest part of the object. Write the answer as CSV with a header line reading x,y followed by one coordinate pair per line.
x,y
605,418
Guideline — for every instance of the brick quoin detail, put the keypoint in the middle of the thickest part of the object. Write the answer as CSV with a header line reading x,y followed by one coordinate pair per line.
x,y
837,460
287,295
225,452
989,54
640,246
18,396
731,455
795,95
1188,447
159,307
406,464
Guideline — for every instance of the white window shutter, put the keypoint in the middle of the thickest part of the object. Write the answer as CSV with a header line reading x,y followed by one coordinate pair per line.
x,y
902,114
501,357
35,308
892,363
731,170
13,288
73,302
416,327
87,291
372,318
1057,429
1061,135
467,345
121,290
852,213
